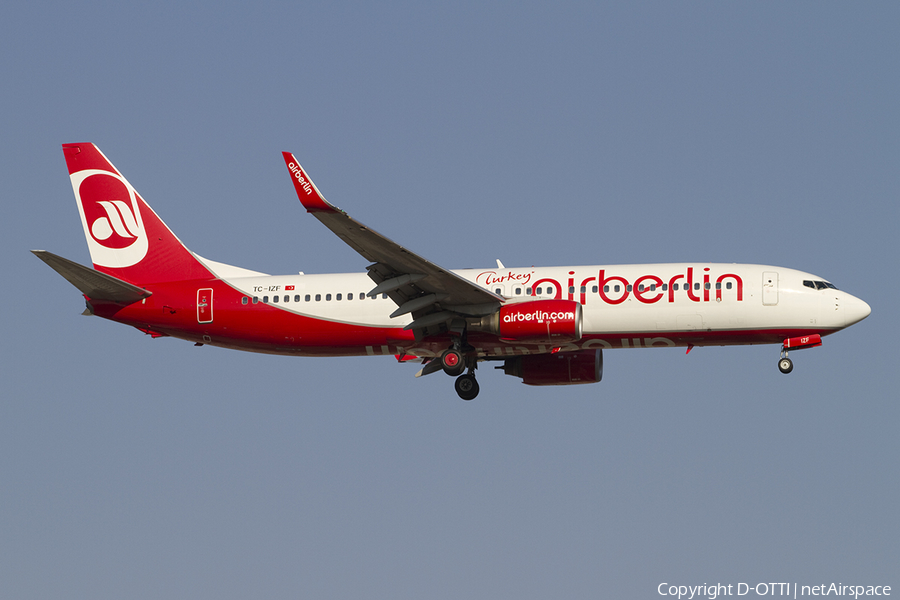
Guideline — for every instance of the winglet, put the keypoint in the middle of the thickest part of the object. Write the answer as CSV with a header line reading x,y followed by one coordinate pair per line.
x,y
307,191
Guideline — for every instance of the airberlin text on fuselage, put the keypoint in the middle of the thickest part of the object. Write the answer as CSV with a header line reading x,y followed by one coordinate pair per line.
x,y
298,174
615,289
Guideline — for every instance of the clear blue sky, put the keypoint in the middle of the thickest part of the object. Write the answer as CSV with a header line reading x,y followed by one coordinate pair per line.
x,y
551,134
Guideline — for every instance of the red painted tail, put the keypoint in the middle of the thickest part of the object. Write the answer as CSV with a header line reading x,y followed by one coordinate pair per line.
x,y
125,237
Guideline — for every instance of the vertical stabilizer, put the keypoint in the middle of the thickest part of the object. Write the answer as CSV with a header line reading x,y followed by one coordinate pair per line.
x,y
125,237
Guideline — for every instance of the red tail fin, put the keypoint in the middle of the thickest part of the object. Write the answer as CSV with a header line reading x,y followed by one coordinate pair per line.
x,y
125,237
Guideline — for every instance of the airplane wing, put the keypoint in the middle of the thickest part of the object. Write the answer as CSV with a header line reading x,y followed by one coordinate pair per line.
x,y
431,293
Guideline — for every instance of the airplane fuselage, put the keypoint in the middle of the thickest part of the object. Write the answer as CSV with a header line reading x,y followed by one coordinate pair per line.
x,y
624,306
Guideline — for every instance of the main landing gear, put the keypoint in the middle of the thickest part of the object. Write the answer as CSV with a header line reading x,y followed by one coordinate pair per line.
x,y
454,362
466,386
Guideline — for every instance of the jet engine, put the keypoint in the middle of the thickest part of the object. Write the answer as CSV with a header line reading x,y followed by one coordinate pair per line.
x,y
534,322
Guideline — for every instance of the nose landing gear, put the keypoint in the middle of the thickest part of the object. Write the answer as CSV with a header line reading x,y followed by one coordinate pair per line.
x,y
785,365
796,343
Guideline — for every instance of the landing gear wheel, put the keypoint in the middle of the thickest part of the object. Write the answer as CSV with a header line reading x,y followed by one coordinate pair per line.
x,y
452,362
466,387
785,365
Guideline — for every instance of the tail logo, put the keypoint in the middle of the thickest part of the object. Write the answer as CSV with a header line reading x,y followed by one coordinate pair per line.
x,y
111,216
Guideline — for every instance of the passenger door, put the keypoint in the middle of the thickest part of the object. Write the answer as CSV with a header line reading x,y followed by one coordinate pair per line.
x,y
770,288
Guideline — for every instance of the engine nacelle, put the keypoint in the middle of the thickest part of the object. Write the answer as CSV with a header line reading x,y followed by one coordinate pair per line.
x,y
562,368
535,322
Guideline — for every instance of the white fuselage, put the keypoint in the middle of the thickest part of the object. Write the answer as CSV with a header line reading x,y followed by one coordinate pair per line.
x,y
673,304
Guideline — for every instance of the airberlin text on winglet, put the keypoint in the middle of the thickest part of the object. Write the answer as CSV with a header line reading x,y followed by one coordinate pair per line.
x,y
299,176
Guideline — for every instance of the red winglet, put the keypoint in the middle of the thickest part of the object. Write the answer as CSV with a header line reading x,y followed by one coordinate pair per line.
x,y
307,191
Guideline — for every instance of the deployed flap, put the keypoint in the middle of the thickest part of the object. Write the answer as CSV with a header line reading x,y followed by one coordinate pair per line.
x,y
93,284
393,261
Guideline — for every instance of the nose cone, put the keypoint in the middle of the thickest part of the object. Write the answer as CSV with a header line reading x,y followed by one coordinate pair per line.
x,y
854,310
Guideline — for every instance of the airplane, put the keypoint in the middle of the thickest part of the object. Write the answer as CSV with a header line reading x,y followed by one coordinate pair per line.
x,y
545,325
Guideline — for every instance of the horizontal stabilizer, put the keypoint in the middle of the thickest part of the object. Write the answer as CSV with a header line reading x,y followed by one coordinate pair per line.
x,y
93,284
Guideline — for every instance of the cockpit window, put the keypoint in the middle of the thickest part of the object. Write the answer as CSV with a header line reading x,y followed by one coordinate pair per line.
x,y
818,285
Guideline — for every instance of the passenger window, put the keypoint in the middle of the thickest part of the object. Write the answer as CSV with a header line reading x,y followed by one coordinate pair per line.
x,y
498,291
641,288
571,289
265,299
350,296
675,286
706,285
327,297
605,288
728,285
244,300
528,291
696,286
337,297
255,299
518,291
307,298
539,291
297,298
595,289
275,299
384,296
617,288
318,297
